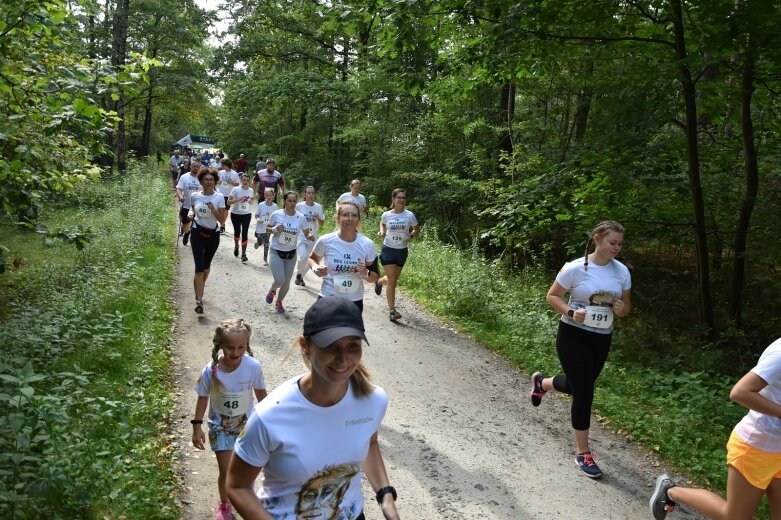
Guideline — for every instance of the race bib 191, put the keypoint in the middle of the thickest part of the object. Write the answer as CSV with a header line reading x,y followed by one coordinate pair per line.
x,y
345,283
598,317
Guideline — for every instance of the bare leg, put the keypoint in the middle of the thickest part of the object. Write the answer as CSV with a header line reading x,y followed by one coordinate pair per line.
x,y
223,461
392,272
774,497
199,282
581,438
741,504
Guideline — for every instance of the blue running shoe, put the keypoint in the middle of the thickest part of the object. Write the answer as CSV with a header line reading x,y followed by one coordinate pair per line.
x,y
587,465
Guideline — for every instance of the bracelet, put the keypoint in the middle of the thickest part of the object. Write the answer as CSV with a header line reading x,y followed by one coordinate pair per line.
x,y
571,313
384,491
196,421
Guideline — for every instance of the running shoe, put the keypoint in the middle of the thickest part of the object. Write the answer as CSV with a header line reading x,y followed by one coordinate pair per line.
x,y
300,280
236,251
270,296
224,511
394,315
660,500
257,244
587,465
244,257
186,238
377,288
199,307
537,392
280,309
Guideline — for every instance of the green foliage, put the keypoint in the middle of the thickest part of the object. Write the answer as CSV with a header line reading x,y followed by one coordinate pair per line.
x,y
84,381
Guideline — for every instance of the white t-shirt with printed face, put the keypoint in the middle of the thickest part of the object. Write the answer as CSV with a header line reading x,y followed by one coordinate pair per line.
x,y
243,207
595,291
262,216
758,430
227,178
312,456
231,403
341,259
311,214
288,238
397,228
204,218
189,184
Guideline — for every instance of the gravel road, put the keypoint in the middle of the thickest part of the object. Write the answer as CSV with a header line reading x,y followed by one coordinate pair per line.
x,y
460,439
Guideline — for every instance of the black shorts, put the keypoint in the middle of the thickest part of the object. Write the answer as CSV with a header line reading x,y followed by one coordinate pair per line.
x,y
183,215
227,206
393,256
174,174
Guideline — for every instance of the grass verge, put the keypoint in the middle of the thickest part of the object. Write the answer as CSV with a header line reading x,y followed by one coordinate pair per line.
x,y
85,396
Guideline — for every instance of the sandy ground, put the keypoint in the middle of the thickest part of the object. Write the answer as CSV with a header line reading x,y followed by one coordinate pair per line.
x,y
460,439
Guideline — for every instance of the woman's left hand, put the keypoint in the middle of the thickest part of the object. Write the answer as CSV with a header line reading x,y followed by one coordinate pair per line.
x,y
619,307
389,508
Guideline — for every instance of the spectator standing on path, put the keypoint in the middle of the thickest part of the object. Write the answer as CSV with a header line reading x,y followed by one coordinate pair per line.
x,y
355,196
316,434
399,226
313,212
269,177
226,386
350,258
753,452
599,288
174,164
207,209
241,164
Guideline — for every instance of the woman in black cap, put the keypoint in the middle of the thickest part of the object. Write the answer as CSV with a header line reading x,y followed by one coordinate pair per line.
x,y
316,434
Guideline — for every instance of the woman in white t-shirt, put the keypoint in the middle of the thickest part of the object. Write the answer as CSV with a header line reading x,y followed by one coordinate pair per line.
x,y
207,209
354,195
599,290
262,216
349,257
313,212
240,204
753,452
285,225
399,226
315,435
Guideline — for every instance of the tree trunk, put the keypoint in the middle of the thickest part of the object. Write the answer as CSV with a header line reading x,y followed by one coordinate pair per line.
x,y
693,159
146,135
584,105
118,59
506,114
752,184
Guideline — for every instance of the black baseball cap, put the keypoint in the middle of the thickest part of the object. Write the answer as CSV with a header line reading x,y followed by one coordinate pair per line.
x,y
332,318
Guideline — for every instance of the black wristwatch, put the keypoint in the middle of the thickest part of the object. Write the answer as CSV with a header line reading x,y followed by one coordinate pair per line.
x,y
571,313
384,491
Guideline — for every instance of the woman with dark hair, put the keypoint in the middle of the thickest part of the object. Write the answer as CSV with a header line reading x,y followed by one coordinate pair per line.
x,y
599,290
284,225
316,434
207,209
399,226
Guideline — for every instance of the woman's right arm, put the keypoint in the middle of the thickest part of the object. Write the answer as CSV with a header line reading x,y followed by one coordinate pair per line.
x,y
555,299
240,485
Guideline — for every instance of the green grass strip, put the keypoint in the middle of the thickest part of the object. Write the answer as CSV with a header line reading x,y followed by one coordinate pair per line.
x,y
85,376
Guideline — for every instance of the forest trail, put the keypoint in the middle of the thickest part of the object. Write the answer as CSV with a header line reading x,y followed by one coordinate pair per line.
x,y
460,439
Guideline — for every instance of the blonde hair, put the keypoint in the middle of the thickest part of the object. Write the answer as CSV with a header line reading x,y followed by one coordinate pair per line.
x,y
348,203
221,333
360,379
601,229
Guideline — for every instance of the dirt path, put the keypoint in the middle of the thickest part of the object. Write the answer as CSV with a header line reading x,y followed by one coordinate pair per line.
x,y
460,439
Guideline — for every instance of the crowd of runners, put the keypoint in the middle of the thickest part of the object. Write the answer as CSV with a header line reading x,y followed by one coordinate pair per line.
x,y
314,471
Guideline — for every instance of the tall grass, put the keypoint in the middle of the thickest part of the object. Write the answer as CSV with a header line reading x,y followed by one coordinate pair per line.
x,y
85,395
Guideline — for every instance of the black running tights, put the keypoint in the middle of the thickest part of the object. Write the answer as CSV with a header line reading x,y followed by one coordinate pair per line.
x,y
582,355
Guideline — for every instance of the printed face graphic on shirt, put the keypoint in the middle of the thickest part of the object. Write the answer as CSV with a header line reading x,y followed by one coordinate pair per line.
x,y
602,298
320,497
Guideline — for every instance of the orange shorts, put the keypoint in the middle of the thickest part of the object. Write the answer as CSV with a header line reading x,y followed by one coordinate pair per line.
x,y
757,466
